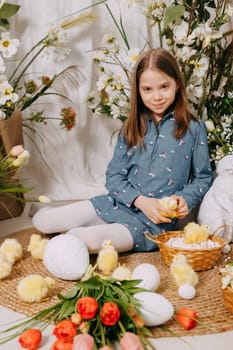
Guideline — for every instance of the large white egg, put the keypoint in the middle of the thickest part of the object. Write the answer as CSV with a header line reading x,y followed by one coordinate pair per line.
x,y
149,276
154,308
66,257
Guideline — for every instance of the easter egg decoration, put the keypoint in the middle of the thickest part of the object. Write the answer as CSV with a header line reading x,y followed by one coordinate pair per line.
x,y
154,308
149,276
66,257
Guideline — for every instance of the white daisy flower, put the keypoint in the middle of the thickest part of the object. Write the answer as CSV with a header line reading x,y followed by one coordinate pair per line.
x,y
8,46
7,93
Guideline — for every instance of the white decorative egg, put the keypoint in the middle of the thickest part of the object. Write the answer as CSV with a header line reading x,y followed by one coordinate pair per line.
x,y
149,276
66,257
154,308
187,291
226,249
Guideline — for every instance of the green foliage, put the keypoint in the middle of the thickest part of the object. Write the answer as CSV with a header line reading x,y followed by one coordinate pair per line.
x,y
6,11
172,13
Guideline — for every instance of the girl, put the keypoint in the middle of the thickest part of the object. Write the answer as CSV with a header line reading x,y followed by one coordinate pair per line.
x,y
161,151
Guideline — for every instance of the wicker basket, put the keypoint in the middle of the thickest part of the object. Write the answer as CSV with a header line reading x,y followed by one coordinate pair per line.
x,y
227,294
201,259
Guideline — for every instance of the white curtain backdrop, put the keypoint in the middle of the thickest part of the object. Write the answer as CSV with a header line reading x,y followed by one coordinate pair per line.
x,y
71,164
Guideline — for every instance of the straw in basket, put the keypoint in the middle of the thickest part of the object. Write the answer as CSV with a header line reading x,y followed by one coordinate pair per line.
x,y
200,259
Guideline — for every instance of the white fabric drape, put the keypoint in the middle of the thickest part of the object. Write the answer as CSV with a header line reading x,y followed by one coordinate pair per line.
x,y
71,165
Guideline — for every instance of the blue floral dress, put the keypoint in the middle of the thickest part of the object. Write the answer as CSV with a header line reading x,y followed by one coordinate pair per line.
x,y
165,166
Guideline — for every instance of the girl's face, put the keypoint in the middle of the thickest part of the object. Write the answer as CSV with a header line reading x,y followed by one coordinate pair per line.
x,y
157,91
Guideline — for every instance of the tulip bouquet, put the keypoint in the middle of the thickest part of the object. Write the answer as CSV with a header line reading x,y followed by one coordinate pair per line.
x,y
94,314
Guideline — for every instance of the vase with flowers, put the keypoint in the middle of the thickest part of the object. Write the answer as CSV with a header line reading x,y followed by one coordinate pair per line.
x,y
19,91
22,90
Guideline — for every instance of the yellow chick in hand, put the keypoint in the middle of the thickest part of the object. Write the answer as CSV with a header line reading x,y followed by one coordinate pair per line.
x,y
169,203
182,271
107,259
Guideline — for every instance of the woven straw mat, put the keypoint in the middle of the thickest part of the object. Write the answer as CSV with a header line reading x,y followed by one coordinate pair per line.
x,y
208,302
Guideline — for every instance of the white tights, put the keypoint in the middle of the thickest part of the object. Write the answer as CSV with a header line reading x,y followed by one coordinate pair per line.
x,y
81,220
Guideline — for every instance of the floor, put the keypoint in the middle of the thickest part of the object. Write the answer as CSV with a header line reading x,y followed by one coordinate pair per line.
x,y
214,341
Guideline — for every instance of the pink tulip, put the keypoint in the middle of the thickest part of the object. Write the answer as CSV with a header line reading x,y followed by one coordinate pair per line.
x,y
130,341
83,342
16,151
106,347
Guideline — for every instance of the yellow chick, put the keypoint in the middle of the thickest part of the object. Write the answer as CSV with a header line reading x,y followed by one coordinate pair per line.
x,y
195,233
171,204
12,250
5,266
182,271
34,288
37,246
107,258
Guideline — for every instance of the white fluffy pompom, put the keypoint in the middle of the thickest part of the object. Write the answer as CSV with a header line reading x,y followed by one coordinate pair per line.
x,y
66,257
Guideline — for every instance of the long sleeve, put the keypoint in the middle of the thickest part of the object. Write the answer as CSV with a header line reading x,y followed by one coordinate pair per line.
x,y
117,175
201,173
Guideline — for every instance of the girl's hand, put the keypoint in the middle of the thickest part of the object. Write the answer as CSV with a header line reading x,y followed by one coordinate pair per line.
x,y
182,207
152,208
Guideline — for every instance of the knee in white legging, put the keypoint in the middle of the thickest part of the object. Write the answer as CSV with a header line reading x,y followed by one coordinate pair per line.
x,y
93,236
41,221
66,217
88,236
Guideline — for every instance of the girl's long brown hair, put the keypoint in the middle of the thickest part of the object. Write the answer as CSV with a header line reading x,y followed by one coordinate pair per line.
x,y
134,128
